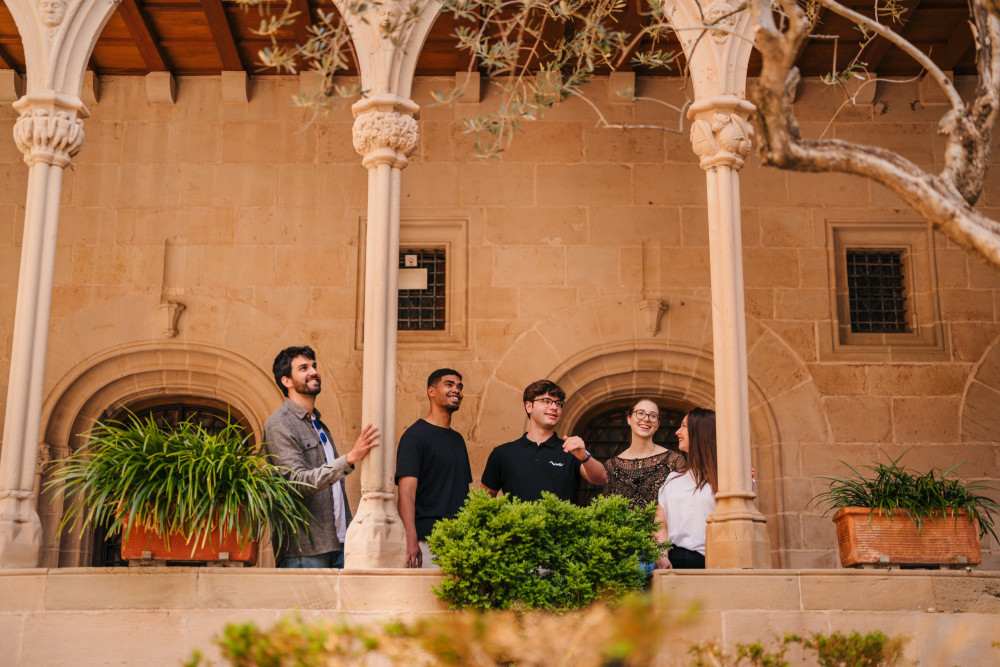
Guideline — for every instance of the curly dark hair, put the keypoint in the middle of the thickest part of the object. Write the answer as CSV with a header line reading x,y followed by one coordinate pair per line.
x,y
282,367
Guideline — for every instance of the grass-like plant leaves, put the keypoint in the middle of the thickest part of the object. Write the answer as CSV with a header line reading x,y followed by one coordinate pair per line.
x,y
893,489
176,480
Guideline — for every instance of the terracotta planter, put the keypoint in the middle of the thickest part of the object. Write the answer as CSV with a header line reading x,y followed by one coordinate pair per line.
x,y
884,541
139,543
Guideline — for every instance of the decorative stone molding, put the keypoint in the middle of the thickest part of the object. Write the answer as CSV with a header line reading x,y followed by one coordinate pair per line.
x,y
722,16
52,13
49,129
44,457
721,135
717,39
170,312
385,136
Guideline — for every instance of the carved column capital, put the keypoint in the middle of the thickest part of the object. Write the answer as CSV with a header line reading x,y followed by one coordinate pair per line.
x,y
49,129
721,135
385,131
44,457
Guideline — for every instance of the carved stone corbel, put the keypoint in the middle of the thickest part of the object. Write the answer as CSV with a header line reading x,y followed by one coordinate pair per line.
x,y
652,311
170,313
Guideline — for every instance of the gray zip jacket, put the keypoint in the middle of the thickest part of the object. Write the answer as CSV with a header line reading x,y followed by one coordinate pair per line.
x,y
292,443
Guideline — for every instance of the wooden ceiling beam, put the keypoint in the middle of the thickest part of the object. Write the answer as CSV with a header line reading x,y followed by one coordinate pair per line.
x,y
138,26
303,21
225,41
8,62
957,46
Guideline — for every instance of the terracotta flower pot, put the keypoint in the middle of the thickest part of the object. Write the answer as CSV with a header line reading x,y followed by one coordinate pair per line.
x,y
139,543
875,539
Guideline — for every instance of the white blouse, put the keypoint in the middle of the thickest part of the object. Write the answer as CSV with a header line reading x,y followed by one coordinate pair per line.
x,y
686,509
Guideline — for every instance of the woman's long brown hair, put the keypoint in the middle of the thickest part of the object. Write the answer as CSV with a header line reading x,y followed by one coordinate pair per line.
x,y
702,459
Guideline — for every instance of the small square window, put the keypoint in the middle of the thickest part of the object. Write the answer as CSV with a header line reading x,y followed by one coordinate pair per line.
x,y
424,309
876,291
433,282
883,294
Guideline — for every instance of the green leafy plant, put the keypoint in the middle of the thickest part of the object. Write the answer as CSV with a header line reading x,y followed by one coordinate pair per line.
x,y
499,553
181,480
873,649
636,631
895,489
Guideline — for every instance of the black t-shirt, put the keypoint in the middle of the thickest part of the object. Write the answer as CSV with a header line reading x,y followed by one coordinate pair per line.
x,y
437,457
525,469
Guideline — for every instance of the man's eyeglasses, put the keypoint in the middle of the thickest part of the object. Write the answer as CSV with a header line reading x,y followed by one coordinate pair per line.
x,y
651,417
548,401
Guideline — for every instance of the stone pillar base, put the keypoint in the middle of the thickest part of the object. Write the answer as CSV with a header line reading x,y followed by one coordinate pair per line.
x,y
20,534
376,537
737,540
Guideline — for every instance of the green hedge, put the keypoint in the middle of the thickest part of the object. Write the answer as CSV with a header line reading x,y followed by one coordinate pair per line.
x,y
500,553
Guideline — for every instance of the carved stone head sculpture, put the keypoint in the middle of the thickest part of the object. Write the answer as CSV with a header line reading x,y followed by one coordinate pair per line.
x,y
52,12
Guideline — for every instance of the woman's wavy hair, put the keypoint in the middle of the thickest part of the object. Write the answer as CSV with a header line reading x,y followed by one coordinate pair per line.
x,y
702,458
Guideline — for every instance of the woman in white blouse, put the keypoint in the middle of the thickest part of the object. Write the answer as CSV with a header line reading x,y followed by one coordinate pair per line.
x,y
687,497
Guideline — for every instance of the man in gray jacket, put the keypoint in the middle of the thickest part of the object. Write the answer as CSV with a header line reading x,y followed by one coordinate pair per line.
x,y
297,440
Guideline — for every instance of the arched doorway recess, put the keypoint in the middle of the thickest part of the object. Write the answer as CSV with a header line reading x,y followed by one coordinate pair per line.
x,y
138,375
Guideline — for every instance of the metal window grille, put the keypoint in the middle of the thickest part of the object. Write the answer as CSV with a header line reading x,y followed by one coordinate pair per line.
x,y
876,291
424,310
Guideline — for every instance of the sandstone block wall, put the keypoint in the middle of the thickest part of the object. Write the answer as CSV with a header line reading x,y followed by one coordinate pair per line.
x,y
251,216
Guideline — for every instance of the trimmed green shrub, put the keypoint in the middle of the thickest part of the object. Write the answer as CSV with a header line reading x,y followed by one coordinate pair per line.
x,y
500,553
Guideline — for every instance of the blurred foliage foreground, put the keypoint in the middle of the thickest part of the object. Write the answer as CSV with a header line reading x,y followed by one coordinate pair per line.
x,y
635,631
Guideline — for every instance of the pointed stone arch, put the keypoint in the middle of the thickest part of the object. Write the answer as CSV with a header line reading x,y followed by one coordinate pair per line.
x,y
980,418
121,376
609,356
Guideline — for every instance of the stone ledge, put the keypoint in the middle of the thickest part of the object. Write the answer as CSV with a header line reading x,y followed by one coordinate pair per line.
x,y
157,616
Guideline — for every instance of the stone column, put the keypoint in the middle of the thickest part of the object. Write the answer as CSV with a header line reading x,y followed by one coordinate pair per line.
x,y
721,136
48,131
58,37
385,134
717,37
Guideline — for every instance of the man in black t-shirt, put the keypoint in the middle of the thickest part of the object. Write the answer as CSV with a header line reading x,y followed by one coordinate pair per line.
x,y
540,460
432,467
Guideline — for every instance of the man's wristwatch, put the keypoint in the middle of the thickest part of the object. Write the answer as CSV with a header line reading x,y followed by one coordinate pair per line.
x,y
589,456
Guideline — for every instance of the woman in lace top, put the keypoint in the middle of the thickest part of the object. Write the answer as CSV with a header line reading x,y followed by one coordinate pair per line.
x,y
639,471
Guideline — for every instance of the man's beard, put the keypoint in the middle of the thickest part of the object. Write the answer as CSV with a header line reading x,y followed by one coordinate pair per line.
x,y
305,389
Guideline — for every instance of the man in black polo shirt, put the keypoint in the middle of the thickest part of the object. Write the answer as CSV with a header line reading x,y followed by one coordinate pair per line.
x,y
540,460
432,467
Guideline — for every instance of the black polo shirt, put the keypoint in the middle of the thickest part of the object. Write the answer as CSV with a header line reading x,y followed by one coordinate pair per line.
x,y
525,469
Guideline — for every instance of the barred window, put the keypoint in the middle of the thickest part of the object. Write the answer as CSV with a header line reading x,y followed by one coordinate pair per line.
x,y
876,291
423,309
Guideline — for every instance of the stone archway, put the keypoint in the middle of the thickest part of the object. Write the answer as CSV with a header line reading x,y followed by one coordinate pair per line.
x,y
122,376
601,350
